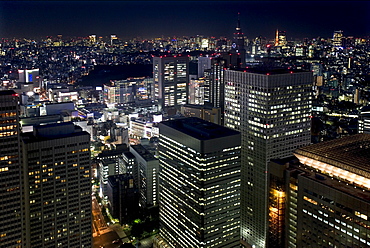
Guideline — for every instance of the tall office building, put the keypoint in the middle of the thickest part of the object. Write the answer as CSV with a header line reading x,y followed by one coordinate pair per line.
x,y
337,38
271,109
11,194
217,85
56,165
170,78
322,199
199,184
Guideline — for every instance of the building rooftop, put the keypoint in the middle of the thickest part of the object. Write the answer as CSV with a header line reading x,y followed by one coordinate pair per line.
x,y
351,153
144,153
53,131
199,129
112,153
270,70
128,155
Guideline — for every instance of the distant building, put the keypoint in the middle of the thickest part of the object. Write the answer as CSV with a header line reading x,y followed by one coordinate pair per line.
x,y
236,56
280,38
56,168
196,91
204,63
170,78
29,76
337,38
138,90
199,185
204,112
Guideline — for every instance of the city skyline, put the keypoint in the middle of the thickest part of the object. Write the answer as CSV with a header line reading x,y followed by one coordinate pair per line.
x,y
150,19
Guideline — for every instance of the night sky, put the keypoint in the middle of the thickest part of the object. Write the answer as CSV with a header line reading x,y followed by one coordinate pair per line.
x,y
149,19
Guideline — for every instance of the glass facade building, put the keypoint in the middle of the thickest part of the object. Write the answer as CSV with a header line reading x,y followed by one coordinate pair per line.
x,y
271,109
324,195
199,184
170,79
11,193
56,165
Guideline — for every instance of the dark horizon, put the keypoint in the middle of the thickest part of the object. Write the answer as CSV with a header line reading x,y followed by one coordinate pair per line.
x,y
150,19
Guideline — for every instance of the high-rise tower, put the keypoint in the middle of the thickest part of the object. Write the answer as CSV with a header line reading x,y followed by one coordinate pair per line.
x,y
11,195
236,56
238,43
170,78
199,184
271,109
56,165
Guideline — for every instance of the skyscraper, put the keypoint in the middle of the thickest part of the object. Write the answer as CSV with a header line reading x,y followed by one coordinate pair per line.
x,y
11,194
237,53
337,38
199,184
344,200
271,109
170,78
325,196
56,167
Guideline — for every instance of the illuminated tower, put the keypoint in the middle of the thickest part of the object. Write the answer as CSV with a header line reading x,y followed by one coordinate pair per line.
x,y
271,109
199,184
11,194
171,77
56,164
237,53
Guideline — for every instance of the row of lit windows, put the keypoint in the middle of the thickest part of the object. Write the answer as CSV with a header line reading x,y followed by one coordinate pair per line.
x,y
5,134
8,114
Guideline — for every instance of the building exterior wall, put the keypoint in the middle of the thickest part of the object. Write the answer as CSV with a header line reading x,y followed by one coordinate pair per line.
x,y
147,173
11,194
272,111
199,189
57,165
171,78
